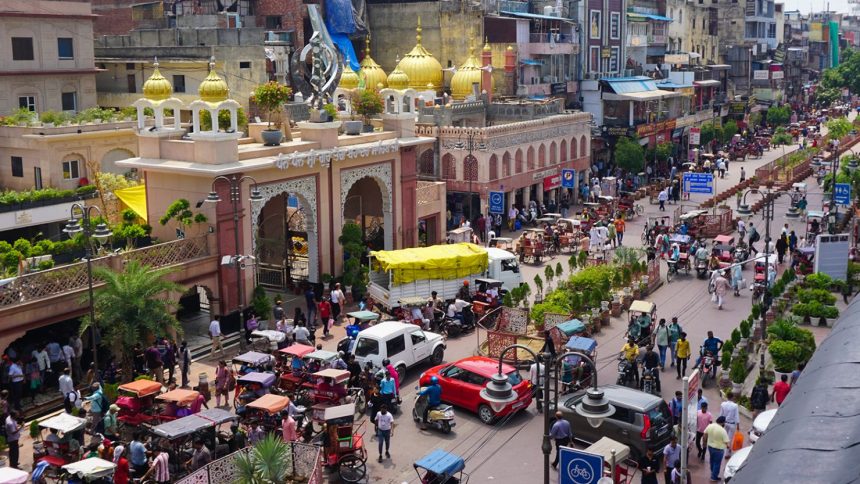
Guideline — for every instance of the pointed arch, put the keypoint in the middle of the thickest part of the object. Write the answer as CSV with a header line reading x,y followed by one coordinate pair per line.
x,y
573,153
583,146
470,168
518,158
506,164
494,167
562,150
542,156
531,158
553,159
449,167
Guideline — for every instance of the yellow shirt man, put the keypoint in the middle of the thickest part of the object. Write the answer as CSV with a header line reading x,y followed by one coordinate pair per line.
x,y
717,437
630,351
682,348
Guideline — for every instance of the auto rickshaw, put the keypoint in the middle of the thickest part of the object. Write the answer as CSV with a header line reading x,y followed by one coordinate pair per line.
x,y
641,316
531,245
487,297
343,443
93,469
136,401
265,411
64,449
252,361
724,248
440,467
252,386
177,404
575,373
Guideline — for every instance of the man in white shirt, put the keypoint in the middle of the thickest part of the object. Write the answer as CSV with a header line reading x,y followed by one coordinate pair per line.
x,y
44,363
215,334
729,410
337,300
67,386
68,354
302,335
536,372
417,315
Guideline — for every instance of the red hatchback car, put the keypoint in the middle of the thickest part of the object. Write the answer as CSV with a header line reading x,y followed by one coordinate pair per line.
x,y
463,380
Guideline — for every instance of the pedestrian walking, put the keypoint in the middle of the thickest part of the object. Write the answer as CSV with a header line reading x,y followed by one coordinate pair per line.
x,y
337,299
703,419
185,363
311,303
215,334
67,388
671,456
561,433
13,434
98,407
222,384
780,390
753,238
721,286
16,383
662,197
781,247
620,225
78,345
674,335
154,363
742,230
729,411
682,353
325,316
384,428
535,377
661,339
743,175
676,406
759,398
716,440
649,464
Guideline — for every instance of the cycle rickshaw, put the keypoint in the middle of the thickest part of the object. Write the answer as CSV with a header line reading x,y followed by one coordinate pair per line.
x,y
440,467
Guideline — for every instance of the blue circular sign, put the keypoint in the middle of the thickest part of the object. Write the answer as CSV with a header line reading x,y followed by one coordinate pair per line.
x,y
580,471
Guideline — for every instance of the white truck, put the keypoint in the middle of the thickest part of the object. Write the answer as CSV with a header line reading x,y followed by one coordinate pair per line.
x,y
411,273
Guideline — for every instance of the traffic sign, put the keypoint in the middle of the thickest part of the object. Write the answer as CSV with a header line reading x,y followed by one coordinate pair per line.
x,y
842,194
578,467
497,202
567,178
699,183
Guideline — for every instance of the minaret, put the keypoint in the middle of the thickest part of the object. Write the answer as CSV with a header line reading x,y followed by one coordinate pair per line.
x,y
510,71
487,71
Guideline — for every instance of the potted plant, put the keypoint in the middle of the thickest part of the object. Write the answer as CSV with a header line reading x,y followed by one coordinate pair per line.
x,y
353,273
330,111
725,363
745,333
539,285
271,98
738,373
785,355
367,103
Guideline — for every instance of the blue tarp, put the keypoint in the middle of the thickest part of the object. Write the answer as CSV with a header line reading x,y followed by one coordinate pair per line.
x,y
441,463
344,45
581,343
571,327
341,24
657,17
627,85
531,62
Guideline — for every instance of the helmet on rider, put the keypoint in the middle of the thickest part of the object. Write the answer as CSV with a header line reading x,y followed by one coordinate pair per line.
x,y
466,283
386,362
434,380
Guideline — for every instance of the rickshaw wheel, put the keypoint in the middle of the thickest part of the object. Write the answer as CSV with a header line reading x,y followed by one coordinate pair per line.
x,y
351,468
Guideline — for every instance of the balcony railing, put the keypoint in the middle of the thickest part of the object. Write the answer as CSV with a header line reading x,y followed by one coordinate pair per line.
x,y
428,192
73,277
657,39
546,37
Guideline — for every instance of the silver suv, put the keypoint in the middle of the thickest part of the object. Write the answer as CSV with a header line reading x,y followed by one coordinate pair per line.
x,y
641,420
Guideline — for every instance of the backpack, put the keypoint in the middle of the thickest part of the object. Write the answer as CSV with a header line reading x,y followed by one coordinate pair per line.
x,y
754,235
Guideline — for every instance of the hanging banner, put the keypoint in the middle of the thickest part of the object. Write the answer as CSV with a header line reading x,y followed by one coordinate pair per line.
x,y
695,136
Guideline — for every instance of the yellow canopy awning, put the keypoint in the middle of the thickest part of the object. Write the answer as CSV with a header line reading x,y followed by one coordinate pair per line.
x,y
135,199
436,262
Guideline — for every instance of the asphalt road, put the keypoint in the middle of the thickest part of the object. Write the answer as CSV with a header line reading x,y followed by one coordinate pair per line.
x,y
510,452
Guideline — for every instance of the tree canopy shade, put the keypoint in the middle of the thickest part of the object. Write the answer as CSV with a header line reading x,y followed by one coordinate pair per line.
x,y
845,75
778,115
629,155
838,128
132,307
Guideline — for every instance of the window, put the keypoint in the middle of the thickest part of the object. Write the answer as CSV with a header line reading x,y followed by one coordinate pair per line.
x,y
18,167
366,347
178,83
510,265
621,414
70,170
613,59
245,65
22,48
594,58
472,378
37,178
452,371
595,25
28,102
65,48
615,25
418,338
273,22
70,101
395,346
129,66
131,83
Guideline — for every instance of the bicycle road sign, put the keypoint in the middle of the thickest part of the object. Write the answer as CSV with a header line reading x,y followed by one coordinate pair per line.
x,y
578,467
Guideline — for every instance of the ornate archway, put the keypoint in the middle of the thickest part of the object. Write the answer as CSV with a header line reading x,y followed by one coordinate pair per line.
x,y
305,190
381,173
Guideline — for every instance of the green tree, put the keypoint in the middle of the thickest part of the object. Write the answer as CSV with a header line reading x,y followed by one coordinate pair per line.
x,y
778,115
223,120
709,133
353,247
266,462
664,151
838,128
132,306
730,128
629,155
180,212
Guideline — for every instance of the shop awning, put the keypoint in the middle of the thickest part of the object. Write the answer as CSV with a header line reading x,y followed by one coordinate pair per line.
x,y
531,62
661,18
641,96
707,83
536,16
624,85
135,199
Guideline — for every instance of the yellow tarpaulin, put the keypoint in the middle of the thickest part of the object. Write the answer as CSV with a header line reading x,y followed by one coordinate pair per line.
x,y
135,199
436,262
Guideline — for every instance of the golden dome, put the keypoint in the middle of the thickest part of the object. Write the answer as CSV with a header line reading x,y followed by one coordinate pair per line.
x,y
349,79
510,48
469,73
213,89
157,88
487,45
373,73
422,68
398,79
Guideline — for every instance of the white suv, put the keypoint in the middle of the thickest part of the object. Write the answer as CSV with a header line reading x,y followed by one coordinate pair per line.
x,y
404,344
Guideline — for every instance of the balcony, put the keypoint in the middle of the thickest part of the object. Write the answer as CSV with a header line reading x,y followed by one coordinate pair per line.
x,y
634,40
657,40
430,198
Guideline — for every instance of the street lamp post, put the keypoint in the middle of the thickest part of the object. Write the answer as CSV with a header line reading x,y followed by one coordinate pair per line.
x,y
235,185
594,407
81,222
470,167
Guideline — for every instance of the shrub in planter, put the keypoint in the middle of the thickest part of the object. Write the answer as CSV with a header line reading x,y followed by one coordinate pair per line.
x,y
818,281
745,329
784,330
821,295
738,372
736,337
786,355
755,312
728,348
367,103
815,309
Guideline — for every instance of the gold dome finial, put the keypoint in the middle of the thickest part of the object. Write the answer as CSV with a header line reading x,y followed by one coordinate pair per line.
x,y
349,78
420,65
418,31
367,44
467,75
487,44
213,89
373,73
157,88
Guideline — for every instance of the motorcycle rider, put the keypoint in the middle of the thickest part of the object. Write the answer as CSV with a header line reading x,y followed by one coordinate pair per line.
x,y
464,292
630,352
434,398
712,344
650,363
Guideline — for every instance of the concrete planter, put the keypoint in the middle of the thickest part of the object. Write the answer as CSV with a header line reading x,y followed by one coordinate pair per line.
x,y
272,137
615,310
352,128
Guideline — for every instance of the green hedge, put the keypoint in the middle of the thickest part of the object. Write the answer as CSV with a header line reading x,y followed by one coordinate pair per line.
x,y
12,197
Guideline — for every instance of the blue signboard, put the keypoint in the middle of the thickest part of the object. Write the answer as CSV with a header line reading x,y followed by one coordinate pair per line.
x,y
842,195
568,178
578,467
699,183
497,202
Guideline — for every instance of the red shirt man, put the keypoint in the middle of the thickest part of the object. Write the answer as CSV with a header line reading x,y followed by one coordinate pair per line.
x,y
780,390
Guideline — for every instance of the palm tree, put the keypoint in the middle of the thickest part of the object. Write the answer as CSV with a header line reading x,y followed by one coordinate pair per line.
x,y
132,306
265,463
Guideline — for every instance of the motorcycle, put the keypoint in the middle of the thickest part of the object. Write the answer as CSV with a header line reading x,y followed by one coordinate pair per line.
x,y
707,367
440,417
451,327
701,268
528,218
649,381
626,373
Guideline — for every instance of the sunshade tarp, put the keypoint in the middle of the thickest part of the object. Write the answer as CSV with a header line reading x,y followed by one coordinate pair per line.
x,y
299,350
180,396
270,403
440,462
216,415
182,427
64,423
10,475
134,198
253,358
91,468
581,343
437,262
141,387
571,327
265,379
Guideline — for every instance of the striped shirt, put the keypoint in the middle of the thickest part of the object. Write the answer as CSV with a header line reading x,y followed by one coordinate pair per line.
x,y
162,469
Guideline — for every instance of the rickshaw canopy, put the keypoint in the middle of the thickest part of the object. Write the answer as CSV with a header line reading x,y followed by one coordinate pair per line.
x,y
182,427
799,186
264,379
141,388
438,262
806,250
297,349
10,475
605,446
271,403
724,239
322,355
679,239
814,214
338,376
552,215
92,468
693,214
771,259
547,220
581,343
180,396
217,416
641,306
253,358
571,327
534,230
364,315
441,463
339,411
64,423
270,334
